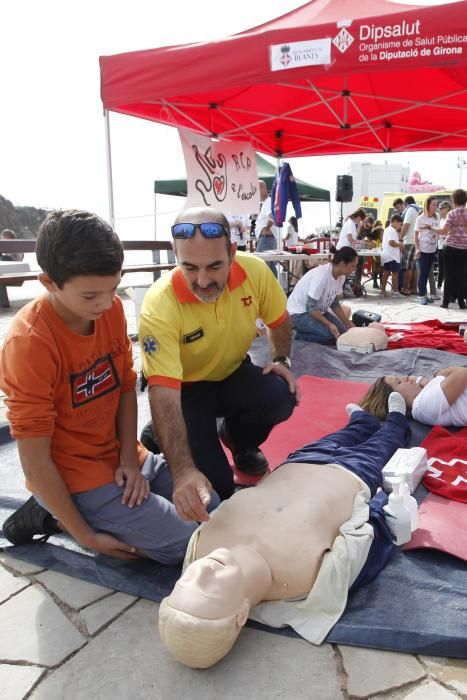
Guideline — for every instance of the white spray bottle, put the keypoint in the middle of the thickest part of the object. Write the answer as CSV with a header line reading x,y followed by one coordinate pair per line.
x,y
397,515
409,501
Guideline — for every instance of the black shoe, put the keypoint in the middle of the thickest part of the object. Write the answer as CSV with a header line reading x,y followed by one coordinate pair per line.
x,y
29,520
461,304
250,461
148,440
444,306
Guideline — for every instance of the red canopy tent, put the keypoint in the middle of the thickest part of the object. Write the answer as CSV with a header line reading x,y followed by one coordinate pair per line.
x,y
330,77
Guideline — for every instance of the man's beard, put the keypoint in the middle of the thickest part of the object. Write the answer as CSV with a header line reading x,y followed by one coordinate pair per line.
x,y
207,294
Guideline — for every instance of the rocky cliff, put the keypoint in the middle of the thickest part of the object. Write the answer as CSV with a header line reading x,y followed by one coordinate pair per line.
x,y
24,221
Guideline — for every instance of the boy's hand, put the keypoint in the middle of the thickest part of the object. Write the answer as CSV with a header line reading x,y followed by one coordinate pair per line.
x,y
107,544
136,486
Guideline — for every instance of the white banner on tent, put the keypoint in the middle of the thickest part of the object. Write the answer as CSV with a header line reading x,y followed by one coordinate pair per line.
x,y
300,53
221,174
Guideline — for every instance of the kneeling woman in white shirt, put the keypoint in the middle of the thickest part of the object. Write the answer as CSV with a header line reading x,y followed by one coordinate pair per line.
x,y
314,307
440,400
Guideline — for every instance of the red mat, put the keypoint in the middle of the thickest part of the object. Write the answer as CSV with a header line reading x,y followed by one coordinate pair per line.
x,y
442,524
321,411
427,334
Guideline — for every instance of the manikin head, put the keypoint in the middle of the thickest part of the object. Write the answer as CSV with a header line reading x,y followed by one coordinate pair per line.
x,y
203,616
204,261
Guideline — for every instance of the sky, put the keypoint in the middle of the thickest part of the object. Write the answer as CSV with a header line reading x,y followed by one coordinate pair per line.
x,y
52,138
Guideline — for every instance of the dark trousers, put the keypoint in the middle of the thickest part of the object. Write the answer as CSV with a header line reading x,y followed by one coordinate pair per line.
x,y
425,263
362,447
440,267
455,272
251,404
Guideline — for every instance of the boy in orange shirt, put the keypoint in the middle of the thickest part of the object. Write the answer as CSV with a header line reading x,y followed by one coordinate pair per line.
x,y
67,370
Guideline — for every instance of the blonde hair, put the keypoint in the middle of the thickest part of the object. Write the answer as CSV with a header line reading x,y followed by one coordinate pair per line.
x,y
376,398
195,641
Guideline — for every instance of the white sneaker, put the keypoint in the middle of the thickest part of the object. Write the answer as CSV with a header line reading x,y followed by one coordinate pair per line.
x,y
423,301
396,403
435,297
351,407
396,295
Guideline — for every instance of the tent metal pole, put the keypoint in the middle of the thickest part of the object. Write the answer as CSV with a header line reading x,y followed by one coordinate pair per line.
x,y
279,242
110,190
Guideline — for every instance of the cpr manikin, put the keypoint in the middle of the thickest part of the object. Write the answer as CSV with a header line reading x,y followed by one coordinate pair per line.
x,y
286,551
364,338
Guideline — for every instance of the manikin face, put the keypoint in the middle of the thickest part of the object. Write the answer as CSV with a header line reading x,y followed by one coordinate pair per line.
x,y
82,298
406,386
205,262
211,587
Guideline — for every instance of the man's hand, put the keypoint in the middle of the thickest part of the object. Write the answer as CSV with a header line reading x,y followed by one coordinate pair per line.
x,y
136,486
417,254
191,495
107,544
285,373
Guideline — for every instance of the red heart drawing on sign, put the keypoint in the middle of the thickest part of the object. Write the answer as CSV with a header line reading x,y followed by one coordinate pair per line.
x,y
219,183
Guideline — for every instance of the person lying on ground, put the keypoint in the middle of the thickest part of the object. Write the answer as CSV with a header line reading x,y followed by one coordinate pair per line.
x,y
438,400
290,547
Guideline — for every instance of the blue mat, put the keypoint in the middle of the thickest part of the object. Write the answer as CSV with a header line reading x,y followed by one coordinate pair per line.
x,y
417,604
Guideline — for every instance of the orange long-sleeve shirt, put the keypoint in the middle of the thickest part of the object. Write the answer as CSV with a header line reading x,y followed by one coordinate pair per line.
x,y
68,386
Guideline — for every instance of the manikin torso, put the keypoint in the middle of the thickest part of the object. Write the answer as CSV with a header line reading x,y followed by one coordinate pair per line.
x,y
291,518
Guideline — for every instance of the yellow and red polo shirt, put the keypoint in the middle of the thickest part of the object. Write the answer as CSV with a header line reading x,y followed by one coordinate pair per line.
x,y
186,340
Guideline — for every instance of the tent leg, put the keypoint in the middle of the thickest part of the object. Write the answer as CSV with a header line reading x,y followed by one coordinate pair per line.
x,y
110,189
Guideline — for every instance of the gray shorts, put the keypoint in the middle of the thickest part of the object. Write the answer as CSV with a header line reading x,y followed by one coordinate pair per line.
x,y
154,526
408,260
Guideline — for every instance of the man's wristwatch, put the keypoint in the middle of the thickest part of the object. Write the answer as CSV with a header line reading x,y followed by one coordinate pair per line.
x,y
283,360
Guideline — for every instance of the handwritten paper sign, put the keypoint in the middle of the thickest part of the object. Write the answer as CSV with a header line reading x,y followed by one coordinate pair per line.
x,y
220,174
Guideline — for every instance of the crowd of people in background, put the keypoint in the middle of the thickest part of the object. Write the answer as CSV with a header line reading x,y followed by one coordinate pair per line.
x,y
423,251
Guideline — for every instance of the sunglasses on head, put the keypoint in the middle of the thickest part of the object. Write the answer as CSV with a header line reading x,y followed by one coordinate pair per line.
x,y
210,229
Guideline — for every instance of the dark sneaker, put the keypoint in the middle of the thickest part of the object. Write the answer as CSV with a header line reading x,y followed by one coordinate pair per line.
x,y
29,520
148,439
250,460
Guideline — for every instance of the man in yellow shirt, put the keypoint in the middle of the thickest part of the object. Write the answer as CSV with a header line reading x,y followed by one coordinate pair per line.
x,y
196,327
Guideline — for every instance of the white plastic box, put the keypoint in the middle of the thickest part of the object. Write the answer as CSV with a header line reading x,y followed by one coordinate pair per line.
x,y
411,461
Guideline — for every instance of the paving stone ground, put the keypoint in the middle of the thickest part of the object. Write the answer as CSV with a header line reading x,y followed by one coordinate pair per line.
x,y
63,639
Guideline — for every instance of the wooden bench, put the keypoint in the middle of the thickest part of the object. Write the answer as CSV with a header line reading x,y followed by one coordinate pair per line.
x,y
29,246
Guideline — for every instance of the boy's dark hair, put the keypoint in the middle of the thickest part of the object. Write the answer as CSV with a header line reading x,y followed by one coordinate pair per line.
x,y
409,199
397,201
397,217
72,242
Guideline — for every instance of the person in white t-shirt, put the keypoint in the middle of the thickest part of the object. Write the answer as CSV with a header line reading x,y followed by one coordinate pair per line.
x,y
349,231
316,313
266,232
391,255
291,234
426,244
239,231
409,262
440,400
